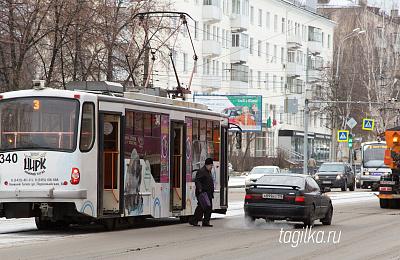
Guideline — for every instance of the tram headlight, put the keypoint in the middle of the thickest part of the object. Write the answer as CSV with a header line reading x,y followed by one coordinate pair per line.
x,y
75,176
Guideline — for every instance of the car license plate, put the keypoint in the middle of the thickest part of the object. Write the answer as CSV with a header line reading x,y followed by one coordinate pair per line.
x,y
272,196
388,182
326,182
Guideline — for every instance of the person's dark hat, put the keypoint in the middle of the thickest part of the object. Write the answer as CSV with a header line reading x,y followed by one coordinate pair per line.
x,y
209,161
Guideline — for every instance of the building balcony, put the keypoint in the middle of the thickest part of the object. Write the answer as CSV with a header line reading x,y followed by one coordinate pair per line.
x,y
239,54
239,22
211,13
314,75
293,42
210,82
239,88
211,48
315,47
294,69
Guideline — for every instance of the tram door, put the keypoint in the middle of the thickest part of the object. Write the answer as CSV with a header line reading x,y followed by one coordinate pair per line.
x,y
111,163
178,162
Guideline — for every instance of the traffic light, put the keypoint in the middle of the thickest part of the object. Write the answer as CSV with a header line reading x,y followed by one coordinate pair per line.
x,y
350,143
269,122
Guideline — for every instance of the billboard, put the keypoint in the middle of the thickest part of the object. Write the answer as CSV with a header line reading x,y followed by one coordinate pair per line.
x,y
245,111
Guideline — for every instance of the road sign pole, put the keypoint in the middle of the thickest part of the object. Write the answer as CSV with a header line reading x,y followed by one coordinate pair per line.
x,y
351,148
306,111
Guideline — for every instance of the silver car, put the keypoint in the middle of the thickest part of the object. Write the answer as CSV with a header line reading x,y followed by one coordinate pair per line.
x,y
260,171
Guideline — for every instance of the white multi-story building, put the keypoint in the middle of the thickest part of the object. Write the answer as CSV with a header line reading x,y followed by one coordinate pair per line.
x,y
274,48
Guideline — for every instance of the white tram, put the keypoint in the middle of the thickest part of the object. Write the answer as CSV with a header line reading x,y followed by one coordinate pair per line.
x,y
94,153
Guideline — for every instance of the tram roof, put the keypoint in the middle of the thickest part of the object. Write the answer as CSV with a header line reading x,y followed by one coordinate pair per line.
x,y
126,97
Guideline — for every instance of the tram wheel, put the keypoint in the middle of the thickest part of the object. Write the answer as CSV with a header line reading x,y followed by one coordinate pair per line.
x,y
42,224
109,224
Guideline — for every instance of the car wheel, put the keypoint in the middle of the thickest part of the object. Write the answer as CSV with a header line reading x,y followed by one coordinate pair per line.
x,y
344,187
351,188
384,203
328,216
311,217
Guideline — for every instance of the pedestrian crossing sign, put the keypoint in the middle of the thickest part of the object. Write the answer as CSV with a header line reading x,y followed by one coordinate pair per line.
x,y
342,136
368,124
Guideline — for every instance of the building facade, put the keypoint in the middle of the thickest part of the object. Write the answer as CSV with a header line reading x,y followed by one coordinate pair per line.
x,y
274,48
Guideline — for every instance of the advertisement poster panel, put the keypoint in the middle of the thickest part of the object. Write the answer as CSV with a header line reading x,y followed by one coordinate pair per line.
x,y
245,111
164,148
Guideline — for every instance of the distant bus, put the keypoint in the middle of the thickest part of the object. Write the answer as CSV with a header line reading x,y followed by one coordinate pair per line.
x,y
372,165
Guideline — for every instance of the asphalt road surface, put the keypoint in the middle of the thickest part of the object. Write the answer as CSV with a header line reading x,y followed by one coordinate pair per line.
x,y
360,230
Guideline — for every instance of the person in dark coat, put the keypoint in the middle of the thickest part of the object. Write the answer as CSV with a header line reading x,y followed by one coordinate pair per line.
x,y
204,183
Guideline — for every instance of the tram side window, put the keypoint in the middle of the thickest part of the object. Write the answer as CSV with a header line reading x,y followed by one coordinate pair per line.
x,y
205,142
129,122
87,127
147,124
138,124
216,141
196,151
143,137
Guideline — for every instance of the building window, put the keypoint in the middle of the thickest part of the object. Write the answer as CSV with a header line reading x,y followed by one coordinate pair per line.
x,y
322,38
259,17
223,38
239,73
267,20
235,40
314,34
259,79
275,23
274,83
196,30
185,62
283,25
251,45
329,41
275,53
252,14
283,55
266,80
213,67
251,78
214,33
259,48
267,51
282,84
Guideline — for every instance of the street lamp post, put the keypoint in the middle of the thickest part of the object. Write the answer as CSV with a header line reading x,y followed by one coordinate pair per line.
x,y
355,32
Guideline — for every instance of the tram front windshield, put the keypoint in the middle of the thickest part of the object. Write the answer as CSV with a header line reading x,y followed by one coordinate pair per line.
x,y
374,155
39,123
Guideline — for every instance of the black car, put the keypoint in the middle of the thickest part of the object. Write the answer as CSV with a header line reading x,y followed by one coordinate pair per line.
x,y
292,197
336,175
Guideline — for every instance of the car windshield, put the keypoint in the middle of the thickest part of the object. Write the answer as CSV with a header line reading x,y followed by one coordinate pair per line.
x,y
331,168
282,180
40,123
258,171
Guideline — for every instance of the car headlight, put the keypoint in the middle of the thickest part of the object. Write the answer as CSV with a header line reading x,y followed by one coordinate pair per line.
x,y
339,176
316,177
247,178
